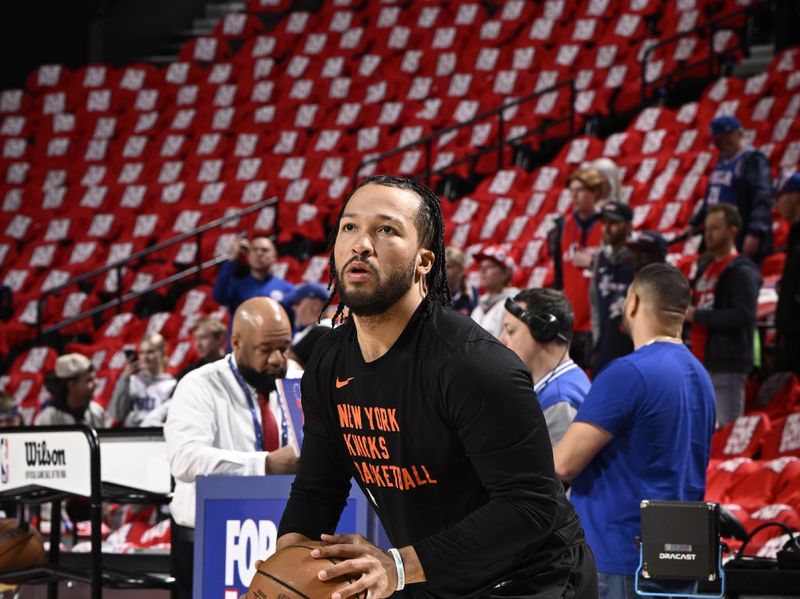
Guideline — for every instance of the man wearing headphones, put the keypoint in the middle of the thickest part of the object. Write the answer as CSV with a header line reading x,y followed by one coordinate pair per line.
x,y
537,326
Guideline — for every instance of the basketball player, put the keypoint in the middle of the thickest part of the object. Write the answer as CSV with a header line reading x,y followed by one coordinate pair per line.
x,y
436,421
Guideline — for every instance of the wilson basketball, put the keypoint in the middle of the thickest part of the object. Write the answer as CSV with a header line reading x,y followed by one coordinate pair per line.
x,y
291,573
20,546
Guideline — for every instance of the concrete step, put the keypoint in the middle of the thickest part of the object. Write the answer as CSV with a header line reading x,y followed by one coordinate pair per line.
x,y
194,32
758,61
762,50
220,9
206,23
161,60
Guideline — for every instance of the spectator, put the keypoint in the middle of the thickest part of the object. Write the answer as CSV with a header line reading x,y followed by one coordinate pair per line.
x,y
787,315
643,431
648,247
9,411
741,178
577,239
612,188
231,289
208,338
307,301
71,386
436,421
465,296
723,314
538,326
612,272
225,419
143,385
496,267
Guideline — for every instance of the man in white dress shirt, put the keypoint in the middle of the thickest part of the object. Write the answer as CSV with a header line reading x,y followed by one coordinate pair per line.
x,y
225,420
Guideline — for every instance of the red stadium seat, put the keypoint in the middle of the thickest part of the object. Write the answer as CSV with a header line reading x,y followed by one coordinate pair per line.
x,y
742,437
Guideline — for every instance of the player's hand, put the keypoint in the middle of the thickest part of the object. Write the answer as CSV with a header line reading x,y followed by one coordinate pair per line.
x,y
239,245
376,569
282,461
751,246
131,367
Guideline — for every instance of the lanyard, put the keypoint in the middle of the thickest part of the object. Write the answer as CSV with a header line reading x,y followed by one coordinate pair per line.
x,y
253,411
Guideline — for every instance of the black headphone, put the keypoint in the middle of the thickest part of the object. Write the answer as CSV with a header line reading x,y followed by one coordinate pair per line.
x,y
544,327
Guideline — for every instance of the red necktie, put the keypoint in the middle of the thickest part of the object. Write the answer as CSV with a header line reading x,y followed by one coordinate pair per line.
x,y
268,424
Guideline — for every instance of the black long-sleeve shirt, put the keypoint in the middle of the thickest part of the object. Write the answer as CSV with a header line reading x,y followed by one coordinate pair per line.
x,y
732,320
752,187
445,435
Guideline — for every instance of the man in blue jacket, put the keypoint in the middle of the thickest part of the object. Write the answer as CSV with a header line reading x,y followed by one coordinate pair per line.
x,y
232,287
743,179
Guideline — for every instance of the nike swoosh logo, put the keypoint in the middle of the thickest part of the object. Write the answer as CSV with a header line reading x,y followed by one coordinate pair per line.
x,y
344,383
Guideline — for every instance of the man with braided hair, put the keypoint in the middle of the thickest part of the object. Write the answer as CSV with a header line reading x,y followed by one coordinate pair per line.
x,y
435,420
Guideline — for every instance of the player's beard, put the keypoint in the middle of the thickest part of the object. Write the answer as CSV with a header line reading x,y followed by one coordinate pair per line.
x,y
262,381
385,295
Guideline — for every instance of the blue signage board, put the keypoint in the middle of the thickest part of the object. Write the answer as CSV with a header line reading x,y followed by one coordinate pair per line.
x,y
237,524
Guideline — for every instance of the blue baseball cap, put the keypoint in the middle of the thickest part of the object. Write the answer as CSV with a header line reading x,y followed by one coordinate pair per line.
x,y
315,290
787,183
725,124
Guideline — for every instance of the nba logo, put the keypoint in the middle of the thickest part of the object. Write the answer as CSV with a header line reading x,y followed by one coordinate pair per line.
x,y
4,460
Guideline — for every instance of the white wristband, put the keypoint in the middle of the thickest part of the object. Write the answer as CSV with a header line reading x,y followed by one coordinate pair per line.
x,y
401,571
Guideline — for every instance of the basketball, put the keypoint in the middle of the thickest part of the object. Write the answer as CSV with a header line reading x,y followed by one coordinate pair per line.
x,y
291,573
20,546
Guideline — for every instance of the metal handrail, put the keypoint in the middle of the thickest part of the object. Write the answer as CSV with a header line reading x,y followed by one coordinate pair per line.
x,y
199,266
709,28
497,146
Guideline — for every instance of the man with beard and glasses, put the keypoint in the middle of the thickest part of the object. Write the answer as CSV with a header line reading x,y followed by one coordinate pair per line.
x,y
435,420
225,419
642,432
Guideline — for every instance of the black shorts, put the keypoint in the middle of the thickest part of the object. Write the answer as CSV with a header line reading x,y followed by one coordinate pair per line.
x,y
574,576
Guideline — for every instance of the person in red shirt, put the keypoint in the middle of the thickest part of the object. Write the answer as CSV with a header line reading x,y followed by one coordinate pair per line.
x,y
723,311
579,237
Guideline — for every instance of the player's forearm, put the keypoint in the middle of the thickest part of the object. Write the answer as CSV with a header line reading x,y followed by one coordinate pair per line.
x,y
411,565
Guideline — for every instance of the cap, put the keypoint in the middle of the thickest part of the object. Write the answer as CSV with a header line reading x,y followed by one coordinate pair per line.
x,y
315,290
725,124
499,255
787,183
616,211
590,177
71,365
649,241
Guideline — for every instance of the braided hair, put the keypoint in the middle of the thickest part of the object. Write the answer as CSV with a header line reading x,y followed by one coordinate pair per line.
x,y
430,233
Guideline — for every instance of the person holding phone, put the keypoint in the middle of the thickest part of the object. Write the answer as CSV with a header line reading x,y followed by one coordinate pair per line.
x,y
232,288
143,385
